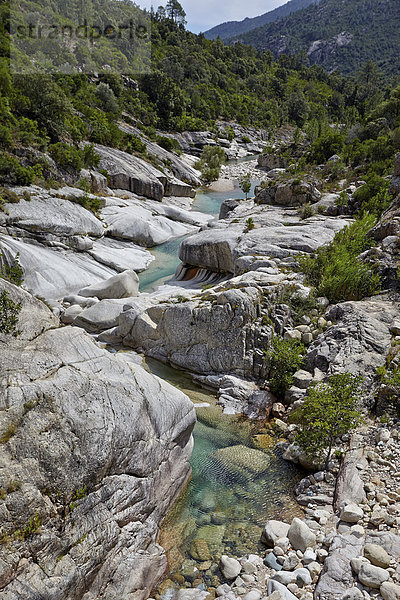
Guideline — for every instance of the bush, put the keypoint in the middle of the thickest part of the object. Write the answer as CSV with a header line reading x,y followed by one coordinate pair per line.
x,y
373,196
249,225
135,144
90,157
12,272
66,156
329,411
170,144
285,357
9,311
13,173
210,162
306,211
336,271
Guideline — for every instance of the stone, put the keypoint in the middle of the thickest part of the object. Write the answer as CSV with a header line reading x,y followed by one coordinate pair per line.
x,y
309,556
314,568
351,513
210,250
223,589
377,555
390,591
249,568
353,593
276,586
123,285
372,576
337,576
291,562
199,550
272,531
229,567
300,535
303,577
302,379
278,410
356,563
252,595
69,315
382,435
242,461
191,594
91,421
101,316
271,562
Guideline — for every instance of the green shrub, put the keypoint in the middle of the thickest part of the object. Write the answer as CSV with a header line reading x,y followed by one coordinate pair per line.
x,y
249,225
330,410
134,144
66,156
13,173
374,195
306,211
284,358
335,270
93,203
13,273
210,163
170,144
90,157
9,311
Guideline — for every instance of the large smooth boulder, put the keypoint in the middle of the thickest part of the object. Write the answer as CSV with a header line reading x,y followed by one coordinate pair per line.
x,y
98,449
351,513
301,536
272,531
390,591
229,567
128,172
211,250
101,316
372,576
377,555
289,193
123,285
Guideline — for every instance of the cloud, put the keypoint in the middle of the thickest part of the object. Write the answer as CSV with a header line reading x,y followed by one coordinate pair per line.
x,y
204,14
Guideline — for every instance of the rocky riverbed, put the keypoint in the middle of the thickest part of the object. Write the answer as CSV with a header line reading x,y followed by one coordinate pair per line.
x,y
109,444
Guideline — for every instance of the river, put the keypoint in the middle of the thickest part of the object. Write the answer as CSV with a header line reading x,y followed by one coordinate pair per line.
x,y
238,481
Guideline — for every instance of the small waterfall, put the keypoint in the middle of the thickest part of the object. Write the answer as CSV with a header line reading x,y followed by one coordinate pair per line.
x,y
198,275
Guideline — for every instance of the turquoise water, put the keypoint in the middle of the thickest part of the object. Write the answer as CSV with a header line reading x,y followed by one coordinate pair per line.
x,y
166,255
238,482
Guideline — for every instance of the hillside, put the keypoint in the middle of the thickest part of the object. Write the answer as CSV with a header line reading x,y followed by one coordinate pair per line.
x,y
231,29
337,35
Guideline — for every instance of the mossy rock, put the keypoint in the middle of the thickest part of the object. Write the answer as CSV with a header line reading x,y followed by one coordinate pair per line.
x,y
199,550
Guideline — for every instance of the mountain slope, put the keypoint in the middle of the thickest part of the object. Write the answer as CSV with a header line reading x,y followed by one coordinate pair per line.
x,y
337,34
231,29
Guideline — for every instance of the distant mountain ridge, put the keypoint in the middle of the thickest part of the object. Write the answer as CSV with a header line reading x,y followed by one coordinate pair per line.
x,y
230,29
336,34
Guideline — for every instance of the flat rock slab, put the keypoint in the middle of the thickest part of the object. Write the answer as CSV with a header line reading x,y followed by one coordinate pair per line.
x,y
101,316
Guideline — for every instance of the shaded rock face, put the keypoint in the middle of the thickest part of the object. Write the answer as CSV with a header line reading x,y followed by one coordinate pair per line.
x,y
271,161
127,172
210,250
359,341
203,337
94,451
289,193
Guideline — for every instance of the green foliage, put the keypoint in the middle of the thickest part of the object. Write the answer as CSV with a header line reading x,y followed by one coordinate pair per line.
x,y
12,172
107,98
170,144
373,196
12,272
9,312
373,26
210,162
249,225
335,270
326,146
135,145
306,211
92,203
245,184
330,410
284,359
298,304
31,528
66,156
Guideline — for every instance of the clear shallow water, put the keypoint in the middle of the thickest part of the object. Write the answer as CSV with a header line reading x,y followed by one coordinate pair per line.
x,y
238,482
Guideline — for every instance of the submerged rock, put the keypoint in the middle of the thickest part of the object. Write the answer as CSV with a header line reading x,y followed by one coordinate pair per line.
x,y
242,461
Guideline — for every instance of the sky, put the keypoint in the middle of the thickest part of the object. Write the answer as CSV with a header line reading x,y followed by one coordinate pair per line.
x,y
204,14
